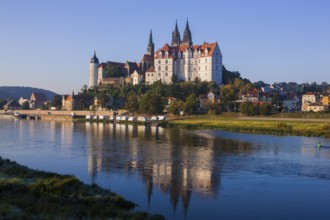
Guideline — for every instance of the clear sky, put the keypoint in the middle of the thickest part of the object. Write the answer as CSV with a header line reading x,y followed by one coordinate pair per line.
x,y
48,43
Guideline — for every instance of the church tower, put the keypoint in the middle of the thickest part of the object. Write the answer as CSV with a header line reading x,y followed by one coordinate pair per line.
x,y
93,65
151,46
176,39
187,36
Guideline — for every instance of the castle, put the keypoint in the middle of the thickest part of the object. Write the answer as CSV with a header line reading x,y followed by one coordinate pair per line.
x,y
180,61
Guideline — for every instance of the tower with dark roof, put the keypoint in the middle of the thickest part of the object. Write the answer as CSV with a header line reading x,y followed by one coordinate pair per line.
x,y
151,46
187,40
93,66
176,39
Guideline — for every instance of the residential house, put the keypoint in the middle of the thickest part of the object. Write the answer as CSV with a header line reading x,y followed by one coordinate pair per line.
x,y
205,100
12,105
308,99
325,100
317,107
251,96
137,77
37,99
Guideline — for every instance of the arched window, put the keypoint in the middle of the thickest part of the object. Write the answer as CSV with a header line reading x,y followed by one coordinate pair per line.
x,y
159,68
159,61
166,68
166,61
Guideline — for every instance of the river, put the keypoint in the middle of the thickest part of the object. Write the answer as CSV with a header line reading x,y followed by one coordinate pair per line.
x,y
182,174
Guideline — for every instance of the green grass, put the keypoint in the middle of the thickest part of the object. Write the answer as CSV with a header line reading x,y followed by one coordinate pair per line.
x,y
31,194
298,128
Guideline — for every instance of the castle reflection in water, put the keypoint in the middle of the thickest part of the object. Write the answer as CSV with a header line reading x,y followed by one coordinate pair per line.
x,y
178,162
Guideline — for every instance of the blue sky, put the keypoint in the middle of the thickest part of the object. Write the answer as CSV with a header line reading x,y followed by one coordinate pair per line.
x,y
48,44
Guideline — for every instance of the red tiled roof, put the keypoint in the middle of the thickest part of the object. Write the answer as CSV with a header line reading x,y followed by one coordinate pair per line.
x,y
210,47
147,58
151,69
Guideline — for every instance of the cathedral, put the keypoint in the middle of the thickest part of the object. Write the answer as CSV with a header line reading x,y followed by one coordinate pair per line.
x,y
181,61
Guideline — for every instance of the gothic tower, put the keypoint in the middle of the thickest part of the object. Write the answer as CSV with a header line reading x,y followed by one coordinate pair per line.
x,y
187,36
151,46
176,39
93,65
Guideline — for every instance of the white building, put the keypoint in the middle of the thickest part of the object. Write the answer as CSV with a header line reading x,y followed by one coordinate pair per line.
x,y
186,62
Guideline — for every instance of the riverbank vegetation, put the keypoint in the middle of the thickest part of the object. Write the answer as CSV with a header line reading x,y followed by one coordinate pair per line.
x,y
255,126
31,194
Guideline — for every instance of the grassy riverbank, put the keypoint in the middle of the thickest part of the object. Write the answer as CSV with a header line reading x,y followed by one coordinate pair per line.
x,y
256,126
31,194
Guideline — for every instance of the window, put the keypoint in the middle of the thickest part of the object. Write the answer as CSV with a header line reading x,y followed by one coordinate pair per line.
x,y
166,61
199,68
165,74
158,74
216,67
205,67
205,60
159,68
159,61
166,68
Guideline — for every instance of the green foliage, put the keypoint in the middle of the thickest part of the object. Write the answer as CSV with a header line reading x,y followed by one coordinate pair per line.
x,y
265,109
26,105
192,104
40,195
176,106
132,103
214,109
113,71
248,108
103,98
56,102
151,103
282,125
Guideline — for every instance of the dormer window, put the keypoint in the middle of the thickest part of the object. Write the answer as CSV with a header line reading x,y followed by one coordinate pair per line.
x,y
160,54
166,54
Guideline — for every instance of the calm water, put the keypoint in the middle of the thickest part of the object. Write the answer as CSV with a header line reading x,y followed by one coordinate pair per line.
x,y
182,174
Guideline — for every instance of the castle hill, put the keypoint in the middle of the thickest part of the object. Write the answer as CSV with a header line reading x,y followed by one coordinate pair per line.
x,y
175,110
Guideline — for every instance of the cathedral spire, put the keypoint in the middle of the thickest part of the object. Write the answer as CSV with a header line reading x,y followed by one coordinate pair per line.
x,y
150,38
176,39
187,39
151,45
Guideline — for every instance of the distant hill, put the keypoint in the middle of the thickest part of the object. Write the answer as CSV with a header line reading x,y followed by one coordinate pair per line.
x,y
16,92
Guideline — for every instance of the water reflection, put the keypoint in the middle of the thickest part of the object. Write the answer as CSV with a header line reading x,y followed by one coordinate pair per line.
x,y
182,173
175,161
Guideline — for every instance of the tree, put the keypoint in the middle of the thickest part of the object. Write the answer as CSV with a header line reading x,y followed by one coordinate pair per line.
x,y
2,103
228,95
248,108
113,71
265,109
176,106
25,105
151,103
132,103
103,99
57,102
192,104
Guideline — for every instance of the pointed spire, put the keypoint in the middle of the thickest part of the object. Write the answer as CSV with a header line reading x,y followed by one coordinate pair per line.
x,y
151,45
150,38
176,39
94,58
187,39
